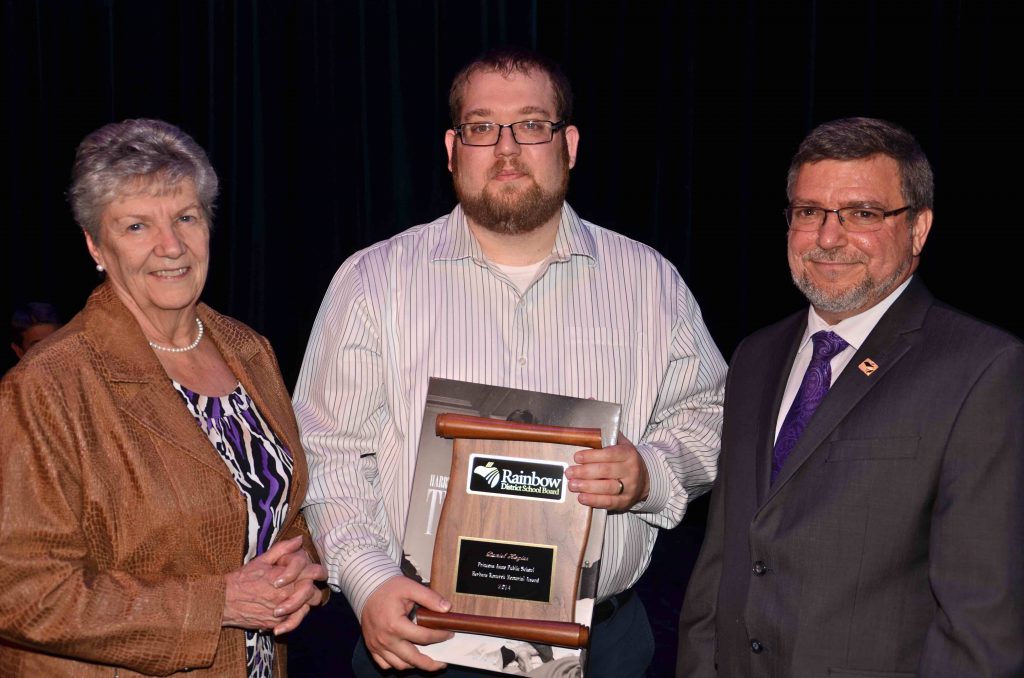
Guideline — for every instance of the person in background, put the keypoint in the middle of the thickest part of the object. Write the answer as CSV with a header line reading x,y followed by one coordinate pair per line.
x,y
868,518
31,323
151,472
513,289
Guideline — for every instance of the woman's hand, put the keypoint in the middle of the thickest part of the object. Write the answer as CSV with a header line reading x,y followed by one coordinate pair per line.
x,y
301,574
273,591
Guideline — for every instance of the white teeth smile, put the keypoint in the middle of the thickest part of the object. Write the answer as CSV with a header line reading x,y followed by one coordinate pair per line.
x,y
170,274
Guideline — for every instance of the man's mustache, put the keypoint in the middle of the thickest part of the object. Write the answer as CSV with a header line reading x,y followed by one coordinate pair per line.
x,y
505,165
831,256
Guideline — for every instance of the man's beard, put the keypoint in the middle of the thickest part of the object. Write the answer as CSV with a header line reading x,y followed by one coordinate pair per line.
x,y
865,293
512,211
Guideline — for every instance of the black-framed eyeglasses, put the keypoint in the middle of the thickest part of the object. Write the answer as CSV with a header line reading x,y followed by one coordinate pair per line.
x,y
524,132
856,219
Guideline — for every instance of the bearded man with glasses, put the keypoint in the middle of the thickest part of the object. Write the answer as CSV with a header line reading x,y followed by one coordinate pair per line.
x,y
512,289
868,518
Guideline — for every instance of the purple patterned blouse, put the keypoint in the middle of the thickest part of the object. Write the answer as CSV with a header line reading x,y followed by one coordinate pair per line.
x,y
262,467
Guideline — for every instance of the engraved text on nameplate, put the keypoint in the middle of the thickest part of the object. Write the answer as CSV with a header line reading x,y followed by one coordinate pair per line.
x,y
505,569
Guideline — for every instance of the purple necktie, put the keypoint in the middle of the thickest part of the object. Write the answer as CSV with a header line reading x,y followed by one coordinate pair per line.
x,y
816,382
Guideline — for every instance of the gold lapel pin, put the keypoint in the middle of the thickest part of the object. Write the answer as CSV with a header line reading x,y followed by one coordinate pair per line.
x,y
868,367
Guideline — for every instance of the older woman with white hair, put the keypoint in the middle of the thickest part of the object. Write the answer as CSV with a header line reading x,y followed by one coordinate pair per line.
x,y
151,473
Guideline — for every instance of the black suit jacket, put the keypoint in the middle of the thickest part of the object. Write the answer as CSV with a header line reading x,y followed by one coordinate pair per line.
x,y
892,541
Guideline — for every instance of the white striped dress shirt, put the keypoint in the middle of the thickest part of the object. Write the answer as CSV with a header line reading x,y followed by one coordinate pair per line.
x,y
607,318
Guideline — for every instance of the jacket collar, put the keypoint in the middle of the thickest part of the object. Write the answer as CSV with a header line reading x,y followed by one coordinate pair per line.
x,y
143,391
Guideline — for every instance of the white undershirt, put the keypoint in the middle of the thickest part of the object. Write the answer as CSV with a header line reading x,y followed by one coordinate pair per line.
x,y
521,276
854,330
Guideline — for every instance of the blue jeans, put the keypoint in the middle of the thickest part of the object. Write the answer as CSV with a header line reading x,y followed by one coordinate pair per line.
x,y
621,646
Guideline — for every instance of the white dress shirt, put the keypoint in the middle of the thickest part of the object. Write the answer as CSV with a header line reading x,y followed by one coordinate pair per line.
x,y
854,330
606,318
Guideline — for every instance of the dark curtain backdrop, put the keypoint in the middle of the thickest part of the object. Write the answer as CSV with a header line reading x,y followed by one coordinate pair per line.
x,y
325,120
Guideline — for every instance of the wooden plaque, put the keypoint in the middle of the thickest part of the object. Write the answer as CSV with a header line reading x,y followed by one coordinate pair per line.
x,y
511,537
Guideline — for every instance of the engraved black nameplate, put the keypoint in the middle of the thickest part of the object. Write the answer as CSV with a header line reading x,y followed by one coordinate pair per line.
x,y
505,569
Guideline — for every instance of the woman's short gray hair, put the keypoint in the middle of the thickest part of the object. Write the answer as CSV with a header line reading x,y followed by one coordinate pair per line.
x,y
113,158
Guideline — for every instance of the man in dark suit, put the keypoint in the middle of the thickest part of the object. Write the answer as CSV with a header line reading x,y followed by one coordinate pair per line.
x,y
868,516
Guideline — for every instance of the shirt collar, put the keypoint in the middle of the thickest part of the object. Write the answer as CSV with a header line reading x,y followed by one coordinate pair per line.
x,y
854,329
573,239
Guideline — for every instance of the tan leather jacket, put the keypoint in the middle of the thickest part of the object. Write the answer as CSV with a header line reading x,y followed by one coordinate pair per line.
x,y
118,519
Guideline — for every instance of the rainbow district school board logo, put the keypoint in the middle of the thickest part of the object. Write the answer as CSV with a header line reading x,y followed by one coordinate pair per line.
x,y
517,478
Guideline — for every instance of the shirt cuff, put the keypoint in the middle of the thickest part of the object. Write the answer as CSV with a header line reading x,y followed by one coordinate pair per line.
x,y
363,574
657,479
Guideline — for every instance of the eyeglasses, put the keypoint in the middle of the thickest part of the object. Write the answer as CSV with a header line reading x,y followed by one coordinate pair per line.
x,y
524,132
855,219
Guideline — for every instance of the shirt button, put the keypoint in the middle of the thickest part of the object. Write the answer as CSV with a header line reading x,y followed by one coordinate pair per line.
x,y
522,360
756,647
759,568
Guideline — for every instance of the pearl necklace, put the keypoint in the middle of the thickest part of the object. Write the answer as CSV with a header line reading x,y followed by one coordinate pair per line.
x,y
191,346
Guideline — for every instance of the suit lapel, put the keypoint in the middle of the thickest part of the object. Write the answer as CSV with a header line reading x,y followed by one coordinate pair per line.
x,y
777,374
158,407
886,345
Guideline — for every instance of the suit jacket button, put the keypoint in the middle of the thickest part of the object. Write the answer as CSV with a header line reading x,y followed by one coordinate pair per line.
x,y
756,647
759,568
